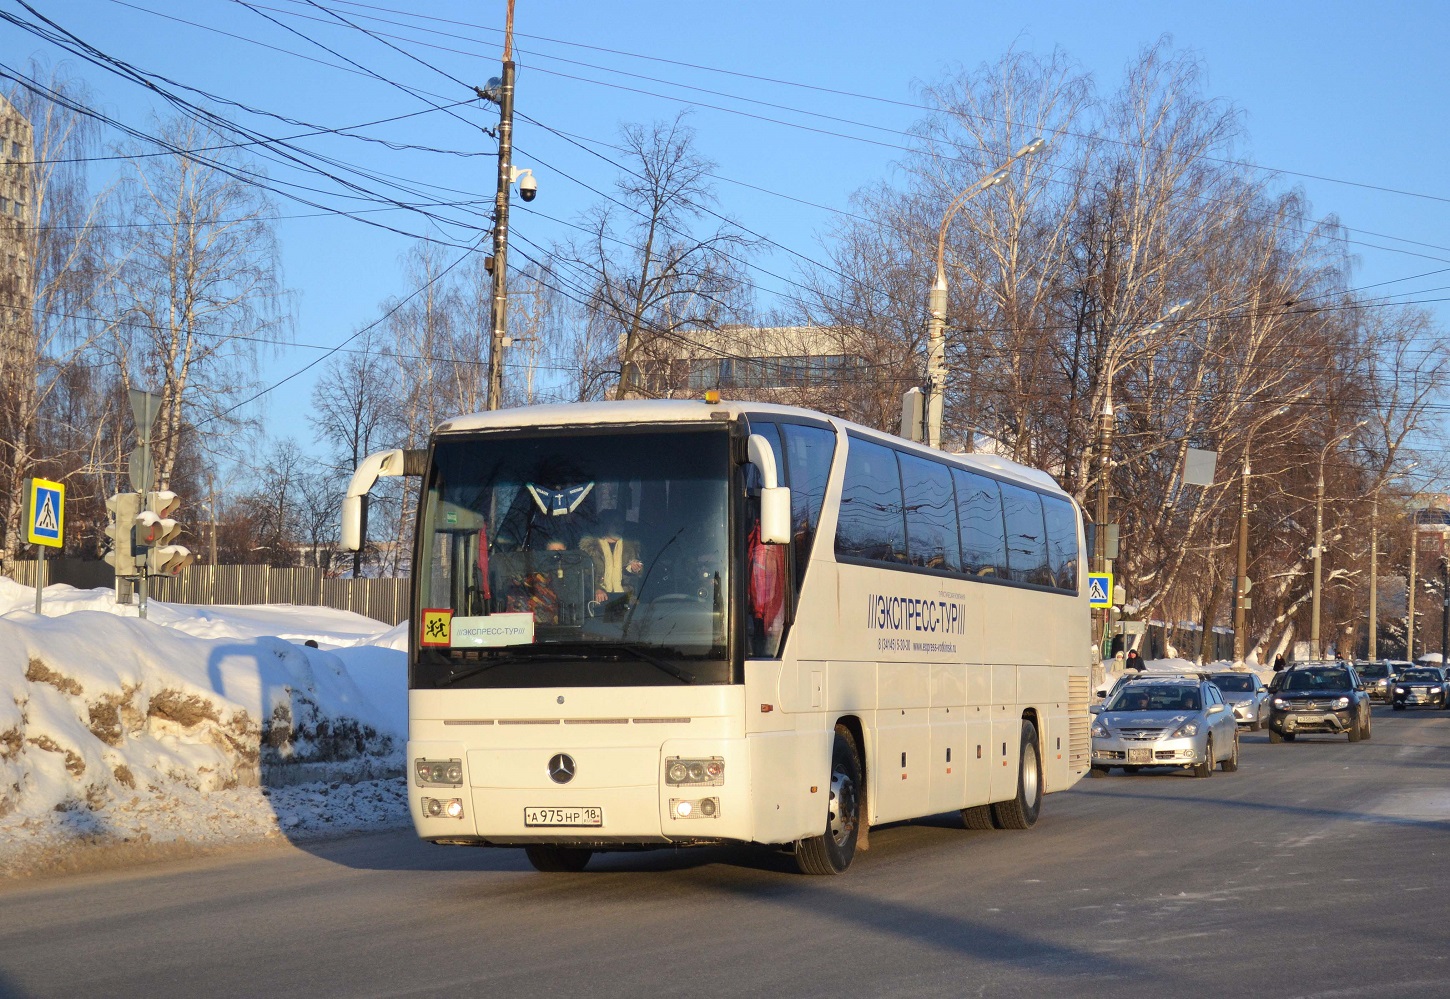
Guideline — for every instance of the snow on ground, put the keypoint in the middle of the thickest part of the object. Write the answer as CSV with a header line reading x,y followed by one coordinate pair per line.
x,y
201,725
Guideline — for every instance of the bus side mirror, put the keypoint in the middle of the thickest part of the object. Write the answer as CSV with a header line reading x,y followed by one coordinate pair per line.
x,y
354,522
398,461
774,499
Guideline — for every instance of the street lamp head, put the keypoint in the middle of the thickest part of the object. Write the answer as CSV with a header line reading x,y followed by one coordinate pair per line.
x,y
1037,145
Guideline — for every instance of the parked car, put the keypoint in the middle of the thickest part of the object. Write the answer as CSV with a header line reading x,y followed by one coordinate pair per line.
x,y
1246,696
1378,677
1164,720
1421,686
1106,691
1318,697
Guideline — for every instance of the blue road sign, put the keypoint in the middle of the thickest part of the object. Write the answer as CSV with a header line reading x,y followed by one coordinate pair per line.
x,y
1100,589
45,519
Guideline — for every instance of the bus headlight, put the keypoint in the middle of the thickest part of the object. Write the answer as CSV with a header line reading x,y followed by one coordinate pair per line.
x,y
438,773
704,808
699,772
438,808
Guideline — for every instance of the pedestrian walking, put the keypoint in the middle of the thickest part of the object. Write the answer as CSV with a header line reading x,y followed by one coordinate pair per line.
x,y
1135,661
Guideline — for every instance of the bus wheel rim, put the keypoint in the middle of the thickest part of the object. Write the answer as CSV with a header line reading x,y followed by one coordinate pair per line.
x,y
1029,777
843,807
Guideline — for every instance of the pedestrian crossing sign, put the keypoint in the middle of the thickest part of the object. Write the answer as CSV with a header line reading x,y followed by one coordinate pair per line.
x,y
1100,589
45,513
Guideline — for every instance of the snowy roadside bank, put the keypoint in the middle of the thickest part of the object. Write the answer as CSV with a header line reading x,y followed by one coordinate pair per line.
x,y
199,726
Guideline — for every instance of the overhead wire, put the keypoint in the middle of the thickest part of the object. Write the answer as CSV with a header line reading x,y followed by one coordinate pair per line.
x,y
837,92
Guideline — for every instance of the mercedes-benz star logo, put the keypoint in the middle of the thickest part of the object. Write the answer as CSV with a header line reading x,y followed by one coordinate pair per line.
x,y
561,768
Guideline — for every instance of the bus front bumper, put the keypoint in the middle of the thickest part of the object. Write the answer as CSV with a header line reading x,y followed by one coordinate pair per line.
x,y
599,796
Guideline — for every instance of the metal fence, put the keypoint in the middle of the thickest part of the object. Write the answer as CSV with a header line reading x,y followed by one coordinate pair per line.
x,y
382,599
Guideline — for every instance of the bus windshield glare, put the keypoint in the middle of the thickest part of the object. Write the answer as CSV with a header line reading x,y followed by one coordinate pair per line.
x,y
585,557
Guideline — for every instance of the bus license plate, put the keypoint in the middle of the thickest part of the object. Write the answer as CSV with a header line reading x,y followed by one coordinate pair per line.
x,y
578,816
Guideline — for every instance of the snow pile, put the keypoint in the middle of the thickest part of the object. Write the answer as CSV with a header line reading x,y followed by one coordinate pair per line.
x,y
198,724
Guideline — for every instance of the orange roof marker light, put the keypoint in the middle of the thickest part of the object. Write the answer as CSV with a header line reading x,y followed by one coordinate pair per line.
x,y
712,397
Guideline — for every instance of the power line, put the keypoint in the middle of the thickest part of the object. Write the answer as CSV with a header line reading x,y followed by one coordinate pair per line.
x,y
854,95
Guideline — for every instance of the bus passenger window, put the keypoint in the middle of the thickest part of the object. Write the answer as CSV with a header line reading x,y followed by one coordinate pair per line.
x,y
871,525
1026,535
984,541
808,454
1062,551
932,538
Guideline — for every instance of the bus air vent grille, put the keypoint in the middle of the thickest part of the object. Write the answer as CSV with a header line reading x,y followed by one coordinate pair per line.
x,y
1079,721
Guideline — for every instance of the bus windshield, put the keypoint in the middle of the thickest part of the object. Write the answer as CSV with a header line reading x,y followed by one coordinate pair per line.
x,y
584,557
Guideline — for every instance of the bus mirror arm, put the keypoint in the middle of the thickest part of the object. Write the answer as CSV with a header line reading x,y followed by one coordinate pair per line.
x,y
397,461
774,498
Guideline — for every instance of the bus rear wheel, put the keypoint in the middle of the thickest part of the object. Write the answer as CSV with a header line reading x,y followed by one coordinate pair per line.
x,y
1021,812
832,853
558,859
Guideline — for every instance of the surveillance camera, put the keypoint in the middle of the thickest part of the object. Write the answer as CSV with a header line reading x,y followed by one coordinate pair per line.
x,y
528,187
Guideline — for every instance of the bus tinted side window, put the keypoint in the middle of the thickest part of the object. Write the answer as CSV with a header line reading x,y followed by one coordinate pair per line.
x,y
808,453
979,506
932,538
870,524
1026,535
1062,553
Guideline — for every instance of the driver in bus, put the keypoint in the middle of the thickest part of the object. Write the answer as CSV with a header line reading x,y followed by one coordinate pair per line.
x,y
617,565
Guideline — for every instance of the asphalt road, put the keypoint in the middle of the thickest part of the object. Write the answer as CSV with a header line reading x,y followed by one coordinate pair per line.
x,y
1319,869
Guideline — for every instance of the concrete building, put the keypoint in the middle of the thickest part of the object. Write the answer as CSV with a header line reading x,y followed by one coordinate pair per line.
x,y
17,143
785,364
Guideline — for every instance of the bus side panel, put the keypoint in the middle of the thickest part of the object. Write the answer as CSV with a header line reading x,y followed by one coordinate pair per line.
x,y
979,754
1044,690
948,759
1005,748
901,779
790,784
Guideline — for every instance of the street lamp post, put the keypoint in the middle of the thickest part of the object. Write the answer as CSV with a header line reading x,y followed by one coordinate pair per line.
x,y
1105,442
1240,592
1374,560
936,363
1319,540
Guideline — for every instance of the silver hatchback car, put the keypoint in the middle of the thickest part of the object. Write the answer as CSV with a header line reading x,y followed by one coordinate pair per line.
x,y
1165,721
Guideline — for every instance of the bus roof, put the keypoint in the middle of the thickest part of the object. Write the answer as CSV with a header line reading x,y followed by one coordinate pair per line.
x,y
632,411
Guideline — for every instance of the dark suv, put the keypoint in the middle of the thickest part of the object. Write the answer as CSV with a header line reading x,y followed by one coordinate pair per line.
x,y
1318,697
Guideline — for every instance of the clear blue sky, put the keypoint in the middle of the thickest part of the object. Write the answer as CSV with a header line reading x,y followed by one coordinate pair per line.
x,y
1338,91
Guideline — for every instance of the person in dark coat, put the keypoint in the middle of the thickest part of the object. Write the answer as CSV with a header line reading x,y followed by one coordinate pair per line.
x,y
1279,664
1135,661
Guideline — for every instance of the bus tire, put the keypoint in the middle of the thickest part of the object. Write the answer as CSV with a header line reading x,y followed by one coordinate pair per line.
x,y
1021,812
558,859
832,852
978,817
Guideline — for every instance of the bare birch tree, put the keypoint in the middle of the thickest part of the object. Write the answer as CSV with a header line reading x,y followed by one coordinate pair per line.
x,y
199,285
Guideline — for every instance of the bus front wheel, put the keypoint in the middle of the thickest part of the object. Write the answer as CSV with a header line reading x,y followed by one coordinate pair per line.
x,y
558,859
832,853
1021,812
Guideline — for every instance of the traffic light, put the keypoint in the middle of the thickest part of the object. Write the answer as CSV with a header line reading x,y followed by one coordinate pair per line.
x,y
169,560
121,512
165,559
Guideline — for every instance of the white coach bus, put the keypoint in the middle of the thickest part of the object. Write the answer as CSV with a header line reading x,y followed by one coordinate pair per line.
x,y
672,623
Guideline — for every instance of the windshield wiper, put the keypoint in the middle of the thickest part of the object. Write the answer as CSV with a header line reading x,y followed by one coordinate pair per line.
x,y
511,660
663,665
